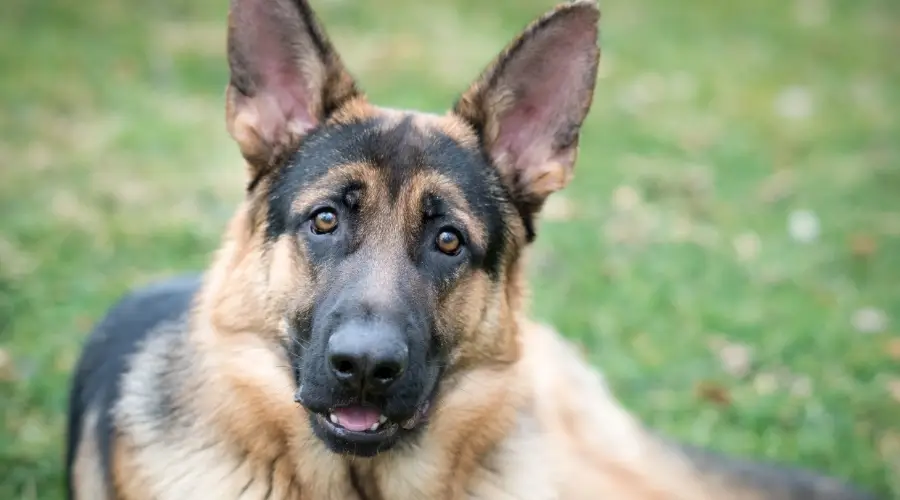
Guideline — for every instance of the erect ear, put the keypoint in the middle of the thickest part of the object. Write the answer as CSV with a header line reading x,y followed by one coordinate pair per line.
x,y
286,78
529,104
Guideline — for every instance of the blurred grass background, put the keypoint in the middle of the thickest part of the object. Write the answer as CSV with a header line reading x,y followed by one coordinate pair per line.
x,y
729,253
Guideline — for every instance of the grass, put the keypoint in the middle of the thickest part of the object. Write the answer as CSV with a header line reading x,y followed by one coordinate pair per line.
x,y
670,258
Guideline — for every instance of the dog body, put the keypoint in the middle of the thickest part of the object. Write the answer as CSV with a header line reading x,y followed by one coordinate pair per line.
x,y
559,432
361,332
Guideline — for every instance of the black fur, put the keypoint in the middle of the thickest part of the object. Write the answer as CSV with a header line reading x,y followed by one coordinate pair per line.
x,y
104,360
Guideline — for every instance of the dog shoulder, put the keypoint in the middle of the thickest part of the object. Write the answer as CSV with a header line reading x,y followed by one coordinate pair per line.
x,y
106,358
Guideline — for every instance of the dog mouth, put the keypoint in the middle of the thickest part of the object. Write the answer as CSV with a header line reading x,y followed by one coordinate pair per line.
x,y
363,430
369,420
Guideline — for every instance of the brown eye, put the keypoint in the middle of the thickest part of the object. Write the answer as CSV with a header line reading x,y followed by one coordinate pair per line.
x,y
448,242
324,222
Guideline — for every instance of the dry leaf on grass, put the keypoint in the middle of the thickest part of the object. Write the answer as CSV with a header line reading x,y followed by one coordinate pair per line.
x,y
777,187
7,367
713,392
863,245
893,349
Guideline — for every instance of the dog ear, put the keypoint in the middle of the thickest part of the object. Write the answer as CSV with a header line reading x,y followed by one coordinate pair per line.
x,y
286,78
529,104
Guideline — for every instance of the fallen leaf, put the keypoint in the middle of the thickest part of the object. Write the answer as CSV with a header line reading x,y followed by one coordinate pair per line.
x,y
863,245
777,186
7,367
713,392
893,349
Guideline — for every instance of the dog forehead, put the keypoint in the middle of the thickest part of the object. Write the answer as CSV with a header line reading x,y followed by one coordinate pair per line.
x,y
393,148
360,110
429,124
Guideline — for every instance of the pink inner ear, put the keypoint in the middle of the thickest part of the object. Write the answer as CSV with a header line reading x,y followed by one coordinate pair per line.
x,y
551,79
275,64
293,100
287,87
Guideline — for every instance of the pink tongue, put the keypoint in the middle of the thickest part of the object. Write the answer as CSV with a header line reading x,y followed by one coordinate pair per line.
x,y
356,418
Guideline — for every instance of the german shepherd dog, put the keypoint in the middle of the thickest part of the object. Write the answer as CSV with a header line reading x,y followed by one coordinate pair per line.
x,y
361,332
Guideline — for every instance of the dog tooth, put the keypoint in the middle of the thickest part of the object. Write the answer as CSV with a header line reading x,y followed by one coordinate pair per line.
x,y
382,419
333,418
374,427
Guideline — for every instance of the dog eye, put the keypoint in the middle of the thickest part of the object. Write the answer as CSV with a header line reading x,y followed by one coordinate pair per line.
x,y
325,221
448,241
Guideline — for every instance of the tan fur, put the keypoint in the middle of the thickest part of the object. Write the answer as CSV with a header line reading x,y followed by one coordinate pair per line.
x,y
355,110
519,414
88,471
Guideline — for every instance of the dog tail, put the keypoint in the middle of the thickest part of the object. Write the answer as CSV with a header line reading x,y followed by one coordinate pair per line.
x,y
745,479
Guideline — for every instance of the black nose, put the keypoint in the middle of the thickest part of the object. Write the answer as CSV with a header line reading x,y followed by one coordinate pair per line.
x,y
370,356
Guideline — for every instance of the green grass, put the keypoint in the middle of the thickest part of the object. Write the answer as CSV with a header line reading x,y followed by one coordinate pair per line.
x,y
669,258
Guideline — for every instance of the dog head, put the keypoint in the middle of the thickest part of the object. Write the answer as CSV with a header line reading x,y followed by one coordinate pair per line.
x,y
384,245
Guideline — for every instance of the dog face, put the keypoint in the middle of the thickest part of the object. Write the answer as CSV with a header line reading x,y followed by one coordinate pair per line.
x,y
385,244
398,225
